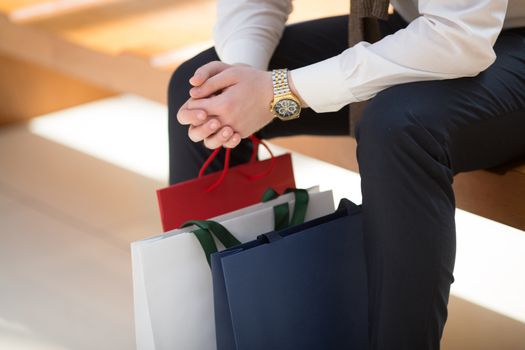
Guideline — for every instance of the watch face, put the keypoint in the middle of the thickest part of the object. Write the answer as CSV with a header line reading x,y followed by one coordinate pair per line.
x,y
286,108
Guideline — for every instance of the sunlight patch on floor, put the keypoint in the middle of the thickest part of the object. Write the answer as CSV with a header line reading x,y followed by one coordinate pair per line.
x,y
128,131
16,336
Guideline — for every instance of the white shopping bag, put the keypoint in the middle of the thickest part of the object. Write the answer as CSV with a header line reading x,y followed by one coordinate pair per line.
x,y
143,330
172,285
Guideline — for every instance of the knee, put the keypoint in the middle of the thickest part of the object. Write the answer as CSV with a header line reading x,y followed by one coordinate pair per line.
x,y
386,120
179,86
399,122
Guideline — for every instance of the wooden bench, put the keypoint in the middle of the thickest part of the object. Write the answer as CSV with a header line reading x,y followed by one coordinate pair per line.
x,y
54,54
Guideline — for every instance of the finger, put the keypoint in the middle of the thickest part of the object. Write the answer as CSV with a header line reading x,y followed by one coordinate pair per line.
x,y
199,133
233,141
211,105
219,138
194,117
214,84
207,71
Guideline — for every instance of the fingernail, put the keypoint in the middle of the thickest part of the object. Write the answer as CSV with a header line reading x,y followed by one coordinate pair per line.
x,y
201,116
226,133
214,125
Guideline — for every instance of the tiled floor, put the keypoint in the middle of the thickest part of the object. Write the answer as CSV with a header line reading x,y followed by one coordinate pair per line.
x,y
69,209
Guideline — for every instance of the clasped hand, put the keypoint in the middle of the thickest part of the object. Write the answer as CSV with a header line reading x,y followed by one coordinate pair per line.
x,y
227,103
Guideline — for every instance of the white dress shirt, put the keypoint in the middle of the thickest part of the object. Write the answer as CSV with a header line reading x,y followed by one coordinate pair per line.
x,y
445,39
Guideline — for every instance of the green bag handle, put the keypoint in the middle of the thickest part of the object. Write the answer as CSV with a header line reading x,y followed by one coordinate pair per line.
x,y
281,211
204,234
269,194
207,243
208,229
219,231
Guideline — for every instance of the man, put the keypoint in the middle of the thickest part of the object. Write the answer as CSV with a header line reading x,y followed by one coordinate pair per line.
x,y
446,85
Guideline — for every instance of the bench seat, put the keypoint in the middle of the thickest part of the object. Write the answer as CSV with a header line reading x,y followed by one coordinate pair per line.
x,y
497,194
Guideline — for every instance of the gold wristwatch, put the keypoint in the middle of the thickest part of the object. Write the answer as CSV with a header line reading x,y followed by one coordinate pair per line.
x,y
285,105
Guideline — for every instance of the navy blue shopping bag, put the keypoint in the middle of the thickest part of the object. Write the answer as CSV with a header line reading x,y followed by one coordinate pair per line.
x,y
304,287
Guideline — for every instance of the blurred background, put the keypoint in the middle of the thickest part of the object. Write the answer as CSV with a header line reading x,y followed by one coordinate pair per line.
x,y
83,147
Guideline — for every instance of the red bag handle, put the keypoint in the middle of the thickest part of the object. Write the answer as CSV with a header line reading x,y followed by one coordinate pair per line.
x,y
256,142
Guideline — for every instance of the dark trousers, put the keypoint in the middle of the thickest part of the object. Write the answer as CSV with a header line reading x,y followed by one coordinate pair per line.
x,y
412,139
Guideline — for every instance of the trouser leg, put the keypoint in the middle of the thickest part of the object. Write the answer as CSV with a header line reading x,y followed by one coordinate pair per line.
x,y
412,139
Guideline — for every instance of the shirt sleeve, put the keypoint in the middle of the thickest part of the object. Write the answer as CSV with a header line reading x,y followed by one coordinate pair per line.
x,y
450,39
248,31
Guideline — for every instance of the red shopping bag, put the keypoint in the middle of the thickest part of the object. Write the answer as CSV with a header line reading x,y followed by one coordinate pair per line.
x,y
224,191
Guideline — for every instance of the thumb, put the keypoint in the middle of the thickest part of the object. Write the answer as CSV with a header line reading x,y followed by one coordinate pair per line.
x,y
207,71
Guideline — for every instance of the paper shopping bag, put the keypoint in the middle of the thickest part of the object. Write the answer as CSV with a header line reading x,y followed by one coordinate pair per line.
x,y
172,286
222,192
304,287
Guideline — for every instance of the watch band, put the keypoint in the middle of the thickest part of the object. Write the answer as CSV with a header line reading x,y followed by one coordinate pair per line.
x,y
280,82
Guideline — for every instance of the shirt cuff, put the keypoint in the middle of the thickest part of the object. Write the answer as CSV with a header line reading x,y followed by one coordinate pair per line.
x,y
244,51
323,85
